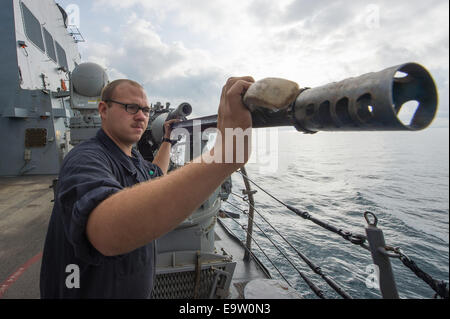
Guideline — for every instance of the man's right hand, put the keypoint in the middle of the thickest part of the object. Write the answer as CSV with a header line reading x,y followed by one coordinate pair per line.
x,y
233,115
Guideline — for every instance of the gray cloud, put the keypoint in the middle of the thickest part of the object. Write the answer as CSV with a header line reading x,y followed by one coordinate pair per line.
x,y
313,42
202,91
169,71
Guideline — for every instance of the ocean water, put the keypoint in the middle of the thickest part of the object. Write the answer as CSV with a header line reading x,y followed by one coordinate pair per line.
x,y
402,177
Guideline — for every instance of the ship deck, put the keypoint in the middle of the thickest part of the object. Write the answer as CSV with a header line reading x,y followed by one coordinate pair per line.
x,y
246,270
25,209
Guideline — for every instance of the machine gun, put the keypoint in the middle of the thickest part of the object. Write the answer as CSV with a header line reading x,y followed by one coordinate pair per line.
x,y
152,137
370,102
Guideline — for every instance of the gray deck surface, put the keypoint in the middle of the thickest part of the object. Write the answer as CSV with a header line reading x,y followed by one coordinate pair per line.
x,y
245,271
25,208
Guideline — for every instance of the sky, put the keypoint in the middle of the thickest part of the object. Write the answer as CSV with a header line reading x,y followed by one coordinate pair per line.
x,y
184,51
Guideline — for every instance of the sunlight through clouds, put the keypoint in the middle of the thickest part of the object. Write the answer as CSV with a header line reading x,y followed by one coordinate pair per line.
x,y
185,50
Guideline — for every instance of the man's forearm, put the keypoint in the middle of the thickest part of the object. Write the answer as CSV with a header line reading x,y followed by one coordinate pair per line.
x,y
135,216
162,158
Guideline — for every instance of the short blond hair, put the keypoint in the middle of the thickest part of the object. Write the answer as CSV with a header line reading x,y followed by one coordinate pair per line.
x,y
108,90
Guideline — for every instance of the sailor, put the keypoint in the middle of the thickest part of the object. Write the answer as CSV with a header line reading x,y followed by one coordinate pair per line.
x,y
111,204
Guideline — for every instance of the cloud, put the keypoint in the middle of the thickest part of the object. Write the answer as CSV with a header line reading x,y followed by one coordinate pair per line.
x,y
190,47
168,71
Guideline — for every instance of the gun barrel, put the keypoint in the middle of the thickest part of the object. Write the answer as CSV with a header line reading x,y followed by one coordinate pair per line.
x,y
370,102
183,110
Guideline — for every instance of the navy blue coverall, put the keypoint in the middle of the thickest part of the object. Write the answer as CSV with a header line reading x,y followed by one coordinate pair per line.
x,y
91,172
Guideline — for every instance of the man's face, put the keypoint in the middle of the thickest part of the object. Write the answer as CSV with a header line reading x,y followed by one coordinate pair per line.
x,y
124,128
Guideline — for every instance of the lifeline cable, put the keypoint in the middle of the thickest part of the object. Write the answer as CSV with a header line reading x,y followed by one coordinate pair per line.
x,y
356,239
311,285
440,287
311,265
259,248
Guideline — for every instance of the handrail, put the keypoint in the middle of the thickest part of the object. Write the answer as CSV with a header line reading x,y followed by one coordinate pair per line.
x,y
440,287
251,203
312,266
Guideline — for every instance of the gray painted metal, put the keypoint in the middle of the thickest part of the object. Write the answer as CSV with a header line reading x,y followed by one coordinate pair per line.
x,y
380,258
193,274
29,82
370,102
87,81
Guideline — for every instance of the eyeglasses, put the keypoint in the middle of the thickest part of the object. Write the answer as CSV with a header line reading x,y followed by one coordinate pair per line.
x,y
134,108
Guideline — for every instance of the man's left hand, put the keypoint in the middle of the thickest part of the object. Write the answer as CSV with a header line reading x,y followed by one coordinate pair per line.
x,y
168,127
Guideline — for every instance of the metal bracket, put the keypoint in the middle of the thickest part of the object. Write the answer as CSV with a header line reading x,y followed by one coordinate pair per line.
x,y
220,292
380,258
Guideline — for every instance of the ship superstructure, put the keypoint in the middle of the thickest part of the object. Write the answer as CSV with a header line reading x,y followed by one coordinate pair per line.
x,y
38,53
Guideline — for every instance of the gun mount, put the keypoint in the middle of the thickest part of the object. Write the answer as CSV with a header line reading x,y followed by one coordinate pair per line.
x,y
152,138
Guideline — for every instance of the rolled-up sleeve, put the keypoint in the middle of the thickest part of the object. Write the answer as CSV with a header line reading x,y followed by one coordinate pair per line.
x,y
86,182
158,171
